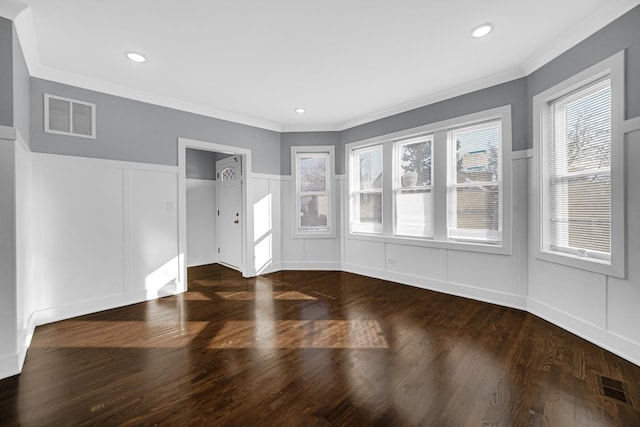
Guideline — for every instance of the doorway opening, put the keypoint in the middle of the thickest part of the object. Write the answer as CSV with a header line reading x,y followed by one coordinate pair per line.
x,y
235,252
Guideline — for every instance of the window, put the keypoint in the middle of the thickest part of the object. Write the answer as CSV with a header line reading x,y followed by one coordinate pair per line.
x,y
69,117
579,176
413,198
474,182
579,150
313,172
366,194
446,184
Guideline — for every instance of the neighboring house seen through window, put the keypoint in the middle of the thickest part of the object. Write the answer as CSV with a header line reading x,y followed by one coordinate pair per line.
x,y
439,185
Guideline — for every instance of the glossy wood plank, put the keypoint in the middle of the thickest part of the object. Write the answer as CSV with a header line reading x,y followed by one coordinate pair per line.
x,y
316,349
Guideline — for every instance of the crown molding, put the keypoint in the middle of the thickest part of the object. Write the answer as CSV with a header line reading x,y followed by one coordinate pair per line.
x,y
64,77
608,13
20,13
11,8
463,89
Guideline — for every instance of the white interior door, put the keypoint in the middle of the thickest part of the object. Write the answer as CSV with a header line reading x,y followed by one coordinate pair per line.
x,y
229,175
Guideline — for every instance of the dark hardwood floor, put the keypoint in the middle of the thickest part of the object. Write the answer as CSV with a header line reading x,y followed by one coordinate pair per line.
x,y
315,349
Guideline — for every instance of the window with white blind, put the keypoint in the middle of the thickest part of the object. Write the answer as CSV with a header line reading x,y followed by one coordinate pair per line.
x,y
446,184
366,189
579,158
313,175
474,178
413,198
578,144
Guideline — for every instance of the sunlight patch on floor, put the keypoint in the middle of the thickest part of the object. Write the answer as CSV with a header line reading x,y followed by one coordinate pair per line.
x,y
300,334
119,334
277,295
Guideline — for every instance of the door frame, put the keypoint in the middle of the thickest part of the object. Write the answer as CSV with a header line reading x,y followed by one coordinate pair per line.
x,y
247,214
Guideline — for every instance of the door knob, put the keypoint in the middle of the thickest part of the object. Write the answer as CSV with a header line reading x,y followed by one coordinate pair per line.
x,y
236,221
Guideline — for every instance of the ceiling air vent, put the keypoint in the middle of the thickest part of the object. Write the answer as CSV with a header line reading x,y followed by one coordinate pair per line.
x,y
69,117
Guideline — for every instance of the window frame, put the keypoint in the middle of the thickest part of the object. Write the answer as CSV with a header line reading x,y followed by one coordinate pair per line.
x,y
369,228
541,241
397,181
327,151
439,179
480,236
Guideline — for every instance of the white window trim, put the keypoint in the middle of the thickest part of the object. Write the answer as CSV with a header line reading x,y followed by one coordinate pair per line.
x,y
331,220
614,67
439,180
71,102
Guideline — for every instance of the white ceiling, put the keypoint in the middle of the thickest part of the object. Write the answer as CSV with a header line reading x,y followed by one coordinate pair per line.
x,y
345,61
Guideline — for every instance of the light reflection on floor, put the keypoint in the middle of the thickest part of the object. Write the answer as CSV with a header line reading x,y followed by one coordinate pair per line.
x,y
300,334
128,334
277,295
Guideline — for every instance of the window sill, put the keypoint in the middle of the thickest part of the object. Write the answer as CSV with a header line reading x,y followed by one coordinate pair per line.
x,y
315,235
437,244
582,263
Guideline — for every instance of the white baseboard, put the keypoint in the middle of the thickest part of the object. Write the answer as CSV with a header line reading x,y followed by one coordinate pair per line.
x,y
9,365
311,265
55,314
616,344
456,289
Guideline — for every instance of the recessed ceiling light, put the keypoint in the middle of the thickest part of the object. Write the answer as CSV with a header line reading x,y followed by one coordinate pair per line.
x,y
136,57
481,30
300,110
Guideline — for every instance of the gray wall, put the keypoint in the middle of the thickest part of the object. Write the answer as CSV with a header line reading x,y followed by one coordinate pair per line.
x,y
141,132
291,139
623,33
511,93
6,72
21,101
201,164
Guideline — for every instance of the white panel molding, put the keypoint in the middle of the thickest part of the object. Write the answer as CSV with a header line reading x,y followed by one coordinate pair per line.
x,y
616,344
455,289
94,162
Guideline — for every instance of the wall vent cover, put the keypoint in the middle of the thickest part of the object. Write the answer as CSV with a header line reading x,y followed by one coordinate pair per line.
x,y
614,389
66,116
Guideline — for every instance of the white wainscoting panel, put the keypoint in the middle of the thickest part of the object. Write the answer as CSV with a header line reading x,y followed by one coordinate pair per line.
x,y
623,297
107,233
80,207
201,222
415,261
154,232
487,271
267,223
